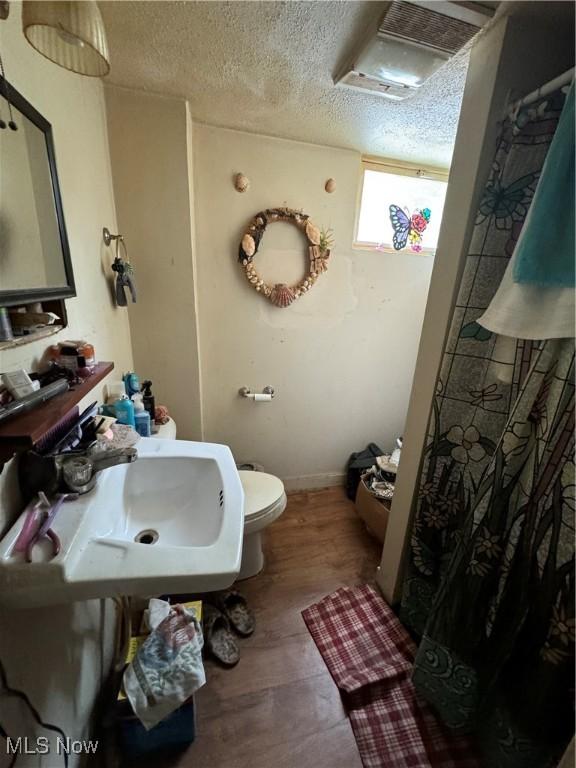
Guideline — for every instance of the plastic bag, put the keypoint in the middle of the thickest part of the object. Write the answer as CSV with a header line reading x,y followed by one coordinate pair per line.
x,y
168,667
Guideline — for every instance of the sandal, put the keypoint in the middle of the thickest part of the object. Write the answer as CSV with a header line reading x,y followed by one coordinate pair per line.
x,y
217,636
234,606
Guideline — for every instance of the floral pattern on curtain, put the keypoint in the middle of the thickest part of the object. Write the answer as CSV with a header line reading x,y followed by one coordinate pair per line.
x,y
490,581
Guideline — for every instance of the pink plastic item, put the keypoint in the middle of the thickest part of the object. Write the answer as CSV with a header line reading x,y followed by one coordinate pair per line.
x,y
32,522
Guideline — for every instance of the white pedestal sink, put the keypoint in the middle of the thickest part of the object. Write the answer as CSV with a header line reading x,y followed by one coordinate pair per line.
x,y
172,521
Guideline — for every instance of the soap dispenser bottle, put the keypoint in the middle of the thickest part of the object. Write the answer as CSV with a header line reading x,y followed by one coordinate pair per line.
x,y
148,399
131,383
124,409
141,416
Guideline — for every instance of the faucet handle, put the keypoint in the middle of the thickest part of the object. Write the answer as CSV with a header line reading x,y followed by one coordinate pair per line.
x,y
110,458
77,472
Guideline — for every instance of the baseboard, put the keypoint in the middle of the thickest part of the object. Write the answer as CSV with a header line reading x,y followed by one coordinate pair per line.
x,y
313,482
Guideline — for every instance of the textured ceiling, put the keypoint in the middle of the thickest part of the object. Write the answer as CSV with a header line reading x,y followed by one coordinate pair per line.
x,y
267,67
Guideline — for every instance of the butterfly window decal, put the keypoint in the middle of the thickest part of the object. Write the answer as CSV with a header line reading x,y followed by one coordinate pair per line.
x,y
408,230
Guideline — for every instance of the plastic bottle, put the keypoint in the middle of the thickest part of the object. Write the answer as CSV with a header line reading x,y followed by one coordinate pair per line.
x,y
124,408
148,399
143,423
131,383
138,402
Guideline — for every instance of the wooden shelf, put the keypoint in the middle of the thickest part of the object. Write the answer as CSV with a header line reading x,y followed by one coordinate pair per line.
x,y
24,431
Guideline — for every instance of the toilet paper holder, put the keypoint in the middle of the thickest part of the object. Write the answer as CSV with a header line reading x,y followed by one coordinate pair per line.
x,y
245,392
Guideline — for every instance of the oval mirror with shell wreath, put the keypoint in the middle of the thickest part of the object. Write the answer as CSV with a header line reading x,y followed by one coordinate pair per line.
x,y
319,244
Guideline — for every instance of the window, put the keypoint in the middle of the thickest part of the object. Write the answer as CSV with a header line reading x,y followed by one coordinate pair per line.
x,y
400,208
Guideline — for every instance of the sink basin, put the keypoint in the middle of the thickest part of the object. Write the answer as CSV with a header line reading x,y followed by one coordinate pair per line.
x,y
188,487
172,521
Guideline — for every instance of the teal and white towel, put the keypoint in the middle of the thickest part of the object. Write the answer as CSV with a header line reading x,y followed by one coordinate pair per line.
x,y
536,298
545,255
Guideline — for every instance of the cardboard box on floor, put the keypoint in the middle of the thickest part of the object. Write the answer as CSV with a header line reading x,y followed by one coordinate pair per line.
x,y
373,511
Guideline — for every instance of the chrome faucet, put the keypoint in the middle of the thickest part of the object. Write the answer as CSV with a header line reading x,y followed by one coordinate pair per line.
x,y
72,471
78,471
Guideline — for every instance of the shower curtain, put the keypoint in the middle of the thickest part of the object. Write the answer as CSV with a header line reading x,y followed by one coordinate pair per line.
x,y
490,580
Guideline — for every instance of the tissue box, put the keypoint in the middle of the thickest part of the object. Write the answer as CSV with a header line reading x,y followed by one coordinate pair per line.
x,y
373,511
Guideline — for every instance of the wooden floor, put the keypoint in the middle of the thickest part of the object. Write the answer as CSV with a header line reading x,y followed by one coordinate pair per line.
x,y
279,708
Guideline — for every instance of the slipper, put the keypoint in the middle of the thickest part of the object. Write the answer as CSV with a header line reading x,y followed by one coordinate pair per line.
x,y
234,606
217,636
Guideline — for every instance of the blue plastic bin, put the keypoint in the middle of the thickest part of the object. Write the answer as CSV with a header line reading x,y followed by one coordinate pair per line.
x,y
175,732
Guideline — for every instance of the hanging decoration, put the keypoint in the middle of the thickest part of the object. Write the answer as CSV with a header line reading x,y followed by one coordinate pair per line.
x,y
122,267
330,186
241,182
408,230
319,244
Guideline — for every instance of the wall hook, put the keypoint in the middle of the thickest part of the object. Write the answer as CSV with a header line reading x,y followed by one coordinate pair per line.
x,y
108,236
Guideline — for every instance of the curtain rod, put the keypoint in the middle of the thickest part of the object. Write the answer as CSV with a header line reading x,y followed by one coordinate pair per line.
x,y
544,90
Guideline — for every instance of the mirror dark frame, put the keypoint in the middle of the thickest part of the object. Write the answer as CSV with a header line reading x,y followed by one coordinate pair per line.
x,y
28,296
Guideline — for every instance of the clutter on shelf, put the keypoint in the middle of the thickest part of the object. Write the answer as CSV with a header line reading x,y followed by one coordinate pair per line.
x,y
69,373
76,356
32,404
24,321
133,403
69,363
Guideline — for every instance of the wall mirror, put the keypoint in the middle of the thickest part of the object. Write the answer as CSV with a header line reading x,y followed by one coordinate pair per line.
x,y
34,253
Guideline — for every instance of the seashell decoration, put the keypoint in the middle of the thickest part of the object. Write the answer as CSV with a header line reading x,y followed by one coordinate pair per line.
x,y
241,182
281,295
319,265
248,245
319,243
330,186
312,233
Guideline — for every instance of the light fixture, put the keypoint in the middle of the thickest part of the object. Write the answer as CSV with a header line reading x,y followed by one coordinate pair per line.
x,y
70,33
413,40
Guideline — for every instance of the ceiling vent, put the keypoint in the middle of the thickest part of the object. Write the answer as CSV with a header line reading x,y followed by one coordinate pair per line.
x,y
414,39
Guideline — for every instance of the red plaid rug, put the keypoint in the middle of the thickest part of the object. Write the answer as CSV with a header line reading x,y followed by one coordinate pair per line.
x,y
369,654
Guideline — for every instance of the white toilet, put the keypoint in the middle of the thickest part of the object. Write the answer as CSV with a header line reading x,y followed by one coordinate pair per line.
x,y
264,502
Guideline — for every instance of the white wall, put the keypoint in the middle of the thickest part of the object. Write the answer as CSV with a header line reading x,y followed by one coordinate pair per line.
x,y
341,358
515,56
149,153
58,656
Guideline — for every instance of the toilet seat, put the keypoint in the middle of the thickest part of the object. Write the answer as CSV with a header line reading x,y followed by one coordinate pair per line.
x,y
264,499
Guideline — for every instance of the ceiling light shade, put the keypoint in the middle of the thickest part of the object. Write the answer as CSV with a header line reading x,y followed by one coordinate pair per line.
x,y
71,34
